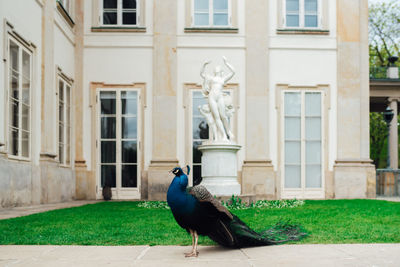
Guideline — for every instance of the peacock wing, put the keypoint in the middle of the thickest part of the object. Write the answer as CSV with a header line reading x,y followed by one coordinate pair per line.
x,y
205,198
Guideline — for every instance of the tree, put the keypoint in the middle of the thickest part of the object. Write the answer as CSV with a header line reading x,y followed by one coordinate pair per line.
x,y
377,136
384,31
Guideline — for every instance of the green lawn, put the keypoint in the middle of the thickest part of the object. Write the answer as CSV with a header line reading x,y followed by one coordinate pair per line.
x,y
124,223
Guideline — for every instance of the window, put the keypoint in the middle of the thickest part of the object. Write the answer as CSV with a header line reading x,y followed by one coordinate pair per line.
x,y
211,13
118,135
64,122
119,12
302,140
302,13
66,4
19,103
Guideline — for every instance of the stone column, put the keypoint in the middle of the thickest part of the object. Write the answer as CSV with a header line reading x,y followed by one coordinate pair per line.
x,y
258,177
354,175
393,136
164,106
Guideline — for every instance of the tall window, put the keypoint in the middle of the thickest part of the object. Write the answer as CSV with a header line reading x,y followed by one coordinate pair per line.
x,y
303,140
302,13
19,80
119,138
211,13
200,133
66,5
64,122
119,12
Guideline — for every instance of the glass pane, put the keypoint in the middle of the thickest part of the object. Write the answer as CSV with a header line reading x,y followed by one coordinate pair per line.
x,y
292,5
293,152
26,65
201,5
201,19
196,103
13,55
107,102
61,112
196,175
129,152
25,91
108,152
292,20
311,21
61,90
313,104
313,128
292,128
108,175
313,176
14,86
129,128
129,18
68,155
61,153
60,133
129,4
129,106
25,117
292,104
311,5
110,18
200,128
196,153
220,5
108,127
221,19
110,3
129,175
292,176
14,109
313,152
13,141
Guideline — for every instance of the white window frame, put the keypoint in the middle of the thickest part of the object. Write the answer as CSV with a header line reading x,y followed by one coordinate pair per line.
x,y
66,128
303,191
119,15
22,48
118,192
302,16
211,16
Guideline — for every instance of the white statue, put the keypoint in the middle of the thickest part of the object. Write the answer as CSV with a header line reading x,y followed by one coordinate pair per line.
x,y
219,107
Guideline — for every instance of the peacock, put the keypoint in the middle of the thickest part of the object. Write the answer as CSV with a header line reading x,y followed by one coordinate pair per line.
x,y
199,213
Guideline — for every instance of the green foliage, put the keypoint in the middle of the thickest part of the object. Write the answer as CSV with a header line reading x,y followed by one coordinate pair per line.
x,y
235,203
384,31
378,139
124,223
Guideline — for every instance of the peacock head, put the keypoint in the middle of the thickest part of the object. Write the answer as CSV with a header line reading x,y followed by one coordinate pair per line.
x,y
177,171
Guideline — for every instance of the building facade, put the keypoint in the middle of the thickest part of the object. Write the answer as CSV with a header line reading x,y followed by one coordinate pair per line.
x,y
106,93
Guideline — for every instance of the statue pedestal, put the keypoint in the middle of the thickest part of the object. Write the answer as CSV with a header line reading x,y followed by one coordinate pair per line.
x,y
219,168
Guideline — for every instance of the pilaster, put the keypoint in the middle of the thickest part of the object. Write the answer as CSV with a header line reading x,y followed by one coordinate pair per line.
x,y
164,107
258,176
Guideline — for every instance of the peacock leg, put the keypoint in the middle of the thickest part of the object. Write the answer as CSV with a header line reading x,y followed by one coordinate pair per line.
x,y
191,252
194,251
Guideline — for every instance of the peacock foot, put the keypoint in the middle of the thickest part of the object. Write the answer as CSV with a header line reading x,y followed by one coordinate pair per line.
x,y
192,254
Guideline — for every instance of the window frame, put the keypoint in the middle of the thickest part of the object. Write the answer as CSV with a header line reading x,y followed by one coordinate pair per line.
x,y
119,16
21,48
67,83
211,16
67,7
302,16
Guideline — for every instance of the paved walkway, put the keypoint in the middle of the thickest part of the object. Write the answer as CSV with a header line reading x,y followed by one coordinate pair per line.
x,y
6,213
160,256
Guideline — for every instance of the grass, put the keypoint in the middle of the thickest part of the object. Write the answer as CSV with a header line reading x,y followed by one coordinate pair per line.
x,y
124,223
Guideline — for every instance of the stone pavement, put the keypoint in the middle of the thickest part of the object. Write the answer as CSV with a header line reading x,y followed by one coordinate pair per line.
x,y
160,256
6,213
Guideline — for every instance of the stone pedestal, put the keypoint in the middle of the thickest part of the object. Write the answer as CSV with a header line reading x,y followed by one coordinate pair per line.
x,y
219,168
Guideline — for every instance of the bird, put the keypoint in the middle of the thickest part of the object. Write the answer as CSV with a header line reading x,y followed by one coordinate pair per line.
x,y
199,213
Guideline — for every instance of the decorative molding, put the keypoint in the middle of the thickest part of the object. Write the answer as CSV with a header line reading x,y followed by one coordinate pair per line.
x,y
211,30
65,14
303,31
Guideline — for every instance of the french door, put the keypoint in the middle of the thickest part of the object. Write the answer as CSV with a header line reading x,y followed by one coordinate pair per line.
x,y
302,145
118,142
